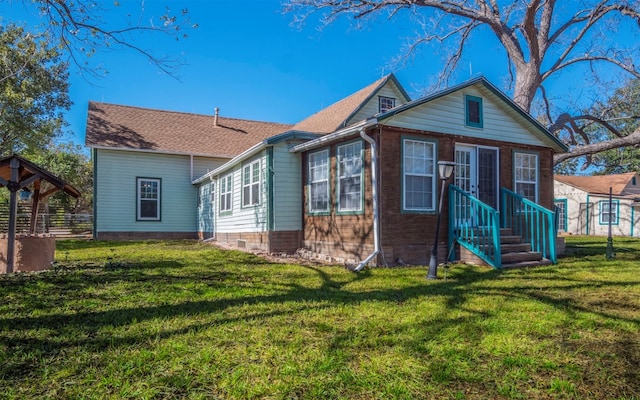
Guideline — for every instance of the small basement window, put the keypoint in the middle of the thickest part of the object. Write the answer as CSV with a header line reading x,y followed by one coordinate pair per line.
x,y
473,111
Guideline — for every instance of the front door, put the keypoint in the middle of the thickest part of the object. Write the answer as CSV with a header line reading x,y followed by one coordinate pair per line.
x,y
477,172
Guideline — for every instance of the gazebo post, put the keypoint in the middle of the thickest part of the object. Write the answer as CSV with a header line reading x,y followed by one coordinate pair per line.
x,y
35,202
13,187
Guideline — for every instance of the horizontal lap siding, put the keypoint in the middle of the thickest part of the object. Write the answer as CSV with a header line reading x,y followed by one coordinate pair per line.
x,y
115,195
287,181
447,115
243,219
372,106
202,165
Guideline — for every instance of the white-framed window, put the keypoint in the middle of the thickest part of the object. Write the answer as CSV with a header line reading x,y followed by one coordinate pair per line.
x,y
148,199
349,160
319,181
385,103
226,191
526,175
418,175
251,184
561,209
608,213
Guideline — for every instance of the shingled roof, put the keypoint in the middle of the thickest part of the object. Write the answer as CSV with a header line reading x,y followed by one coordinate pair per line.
x,y
599,184
337,115
126,127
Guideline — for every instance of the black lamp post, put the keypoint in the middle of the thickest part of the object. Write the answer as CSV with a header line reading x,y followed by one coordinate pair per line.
x,y
445,169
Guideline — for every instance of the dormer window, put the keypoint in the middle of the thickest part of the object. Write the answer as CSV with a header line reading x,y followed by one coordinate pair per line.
x,y
386,103
473,111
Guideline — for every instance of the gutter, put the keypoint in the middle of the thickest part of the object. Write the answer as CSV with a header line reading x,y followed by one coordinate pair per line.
x,y
374,189
343,133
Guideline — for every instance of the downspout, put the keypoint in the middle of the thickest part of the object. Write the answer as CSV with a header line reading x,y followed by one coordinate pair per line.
x,y
374,189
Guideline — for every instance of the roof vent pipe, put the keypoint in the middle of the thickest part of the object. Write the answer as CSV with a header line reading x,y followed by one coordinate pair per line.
x,y
215,116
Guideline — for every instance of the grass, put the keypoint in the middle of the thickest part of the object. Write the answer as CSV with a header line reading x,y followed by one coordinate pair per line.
x,y
180,319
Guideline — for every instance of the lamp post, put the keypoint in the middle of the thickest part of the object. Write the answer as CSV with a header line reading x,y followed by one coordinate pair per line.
x,y
445,169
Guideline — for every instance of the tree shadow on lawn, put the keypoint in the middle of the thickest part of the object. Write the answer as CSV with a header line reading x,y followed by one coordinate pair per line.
x,y
84,327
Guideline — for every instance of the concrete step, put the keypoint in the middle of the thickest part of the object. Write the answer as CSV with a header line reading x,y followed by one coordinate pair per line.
x,y
522,256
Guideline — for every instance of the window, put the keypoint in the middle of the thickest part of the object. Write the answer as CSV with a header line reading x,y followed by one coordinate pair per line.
x,y
148,199
561,214
608,214
526,175
319,181
350,177
386,103
473,111
251,184
226,187
418,175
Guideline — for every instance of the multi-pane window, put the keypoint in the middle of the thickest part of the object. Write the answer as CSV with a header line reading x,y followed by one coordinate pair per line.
x,y
419,175
226,188
608,212
349,160
473,111
386,103
251,184
526,175
148,196
319,181
561,214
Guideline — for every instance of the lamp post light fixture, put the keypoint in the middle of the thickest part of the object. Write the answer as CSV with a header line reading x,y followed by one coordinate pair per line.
x,y
445,170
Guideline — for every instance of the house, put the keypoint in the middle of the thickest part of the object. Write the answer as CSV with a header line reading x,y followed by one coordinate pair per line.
x,y
356,182
145,160
584,208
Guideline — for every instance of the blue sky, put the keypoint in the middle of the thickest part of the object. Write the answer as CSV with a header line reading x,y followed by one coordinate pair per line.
x,y
247,59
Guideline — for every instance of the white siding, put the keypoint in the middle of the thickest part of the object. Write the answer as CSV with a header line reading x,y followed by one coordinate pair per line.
x,y
115,195
447,115
243,219
287,182
577,215
371,108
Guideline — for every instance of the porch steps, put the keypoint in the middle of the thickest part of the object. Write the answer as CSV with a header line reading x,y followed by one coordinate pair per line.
x,y
516,254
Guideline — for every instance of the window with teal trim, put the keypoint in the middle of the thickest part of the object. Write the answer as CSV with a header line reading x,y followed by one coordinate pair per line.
x,y
319,181
349,159
526,175
473,111
608,213
419,175
148,207
226,188
251,184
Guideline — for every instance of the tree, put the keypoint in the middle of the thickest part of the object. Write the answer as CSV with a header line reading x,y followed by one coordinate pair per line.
x,y
622,111
33,91
83,27
68,162
541,39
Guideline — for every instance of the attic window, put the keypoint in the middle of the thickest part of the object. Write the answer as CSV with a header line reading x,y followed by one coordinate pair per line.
x,y
386,103
473,111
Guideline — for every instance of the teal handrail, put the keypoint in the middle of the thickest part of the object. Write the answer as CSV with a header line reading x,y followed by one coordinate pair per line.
x,y
474,225
534,223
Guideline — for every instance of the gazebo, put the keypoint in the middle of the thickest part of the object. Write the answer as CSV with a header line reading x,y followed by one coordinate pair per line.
x,y
17,173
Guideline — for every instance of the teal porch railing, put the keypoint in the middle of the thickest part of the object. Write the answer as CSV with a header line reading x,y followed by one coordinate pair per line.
x,y
534,223
475,225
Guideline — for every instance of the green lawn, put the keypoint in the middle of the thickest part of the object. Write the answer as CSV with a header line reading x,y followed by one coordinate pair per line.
x,y
185,320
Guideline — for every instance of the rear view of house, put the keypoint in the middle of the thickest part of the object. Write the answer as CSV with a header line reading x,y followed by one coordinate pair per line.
x,y
584,207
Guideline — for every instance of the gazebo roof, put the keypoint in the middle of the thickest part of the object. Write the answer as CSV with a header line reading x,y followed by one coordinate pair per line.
x,y
30,172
